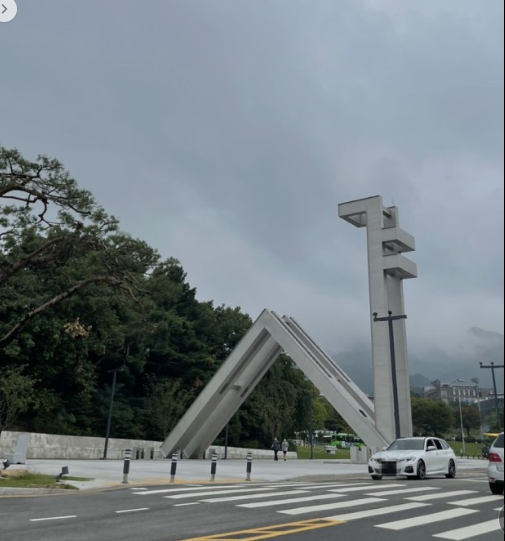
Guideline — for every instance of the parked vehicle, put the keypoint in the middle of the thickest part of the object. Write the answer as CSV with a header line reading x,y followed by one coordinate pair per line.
x,y
343,441
414,457
496,466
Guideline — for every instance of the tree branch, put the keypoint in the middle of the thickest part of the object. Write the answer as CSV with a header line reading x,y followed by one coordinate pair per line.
x,y
20,326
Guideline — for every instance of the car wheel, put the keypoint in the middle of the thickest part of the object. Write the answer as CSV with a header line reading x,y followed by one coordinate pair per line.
x,y
496,488
377,477
452,470
421,470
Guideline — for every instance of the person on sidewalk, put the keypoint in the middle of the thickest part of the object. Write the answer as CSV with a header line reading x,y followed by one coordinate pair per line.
x,y
285,448
276,446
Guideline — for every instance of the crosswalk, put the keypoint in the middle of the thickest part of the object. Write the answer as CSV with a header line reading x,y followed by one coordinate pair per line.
x,y
456,514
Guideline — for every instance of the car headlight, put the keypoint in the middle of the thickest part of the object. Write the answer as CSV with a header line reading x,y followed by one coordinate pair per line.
x,y
374,460
410,459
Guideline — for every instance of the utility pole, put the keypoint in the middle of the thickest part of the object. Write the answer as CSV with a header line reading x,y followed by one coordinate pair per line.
x,y
111,405
396,406
493,367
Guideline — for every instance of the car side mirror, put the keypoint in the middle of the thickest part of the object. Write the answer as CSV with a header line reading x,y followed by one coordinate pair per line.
x,y
431,448
384,448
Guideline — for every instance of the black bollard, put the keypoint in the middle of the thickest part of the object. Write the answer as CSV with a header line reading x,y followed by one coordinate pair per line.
x,y
173,469
249,466
126,466
213,468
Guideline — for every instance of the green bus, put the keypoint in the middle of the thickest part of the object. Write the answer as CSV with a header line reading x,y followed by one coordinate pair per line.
x,y
342,440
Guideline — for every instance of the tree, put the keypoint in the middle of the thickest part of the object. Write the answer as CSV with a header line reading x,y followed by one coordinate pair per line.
x,y
16,395
471,419
165,404
431,417
46,222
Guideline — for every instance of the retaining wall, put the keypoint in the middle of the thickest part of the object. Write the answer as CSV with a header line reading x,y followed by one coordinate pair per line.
x,y
52,446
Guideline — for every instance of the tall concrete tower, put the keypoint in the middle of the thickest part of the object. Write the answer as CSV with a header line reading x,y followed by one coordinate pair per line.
x,y
387,268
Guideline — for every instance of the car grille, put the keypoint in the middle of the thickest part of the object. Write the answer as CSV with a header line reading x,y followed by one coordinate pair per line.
x,y
390,467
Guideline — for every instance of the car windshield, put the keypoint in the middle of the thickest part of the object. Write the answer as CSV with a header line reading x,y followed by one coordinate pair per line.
x,y
407,445
499,442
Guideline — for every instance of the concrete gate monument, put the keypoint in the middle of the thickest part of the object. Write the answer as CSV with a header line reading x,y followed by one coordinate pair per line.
x,y
271,334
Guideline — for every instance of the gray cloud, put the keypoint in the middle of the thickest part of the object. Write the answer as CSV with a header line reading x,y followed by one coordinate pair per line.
x,y
226,132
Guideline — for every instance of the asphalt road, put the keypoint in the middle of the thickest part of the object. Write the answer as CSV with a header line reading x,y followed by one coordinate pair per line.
x,y
389,510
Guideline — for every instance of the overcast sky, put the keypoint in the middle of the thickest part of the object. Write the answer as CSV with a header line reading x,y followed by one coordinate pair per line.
x,y
226,132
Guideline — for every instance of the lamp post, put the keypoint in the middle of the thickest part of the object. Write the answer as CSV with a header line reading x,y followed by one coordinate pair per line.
x,y
114,372
476,382
226,439
458,381
396,406
493,367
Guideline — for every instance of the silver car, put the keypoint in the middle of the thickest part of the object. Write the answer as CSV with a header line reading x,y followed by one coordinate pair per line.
x,y
495,468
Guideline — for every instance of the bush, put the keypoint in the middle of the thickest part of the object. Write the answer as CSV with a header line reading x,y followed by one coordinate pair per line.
x,y
480,440
471,439
458,438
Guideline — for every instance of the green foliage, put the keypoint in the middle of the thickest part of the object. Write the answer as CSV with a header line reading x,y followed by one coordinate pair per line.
x,y
16,395
471,418
78,297
431,417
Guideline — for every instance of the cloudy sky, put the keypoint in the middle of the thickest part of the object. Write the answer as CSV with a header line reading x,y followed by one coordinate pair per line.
x,y
226,132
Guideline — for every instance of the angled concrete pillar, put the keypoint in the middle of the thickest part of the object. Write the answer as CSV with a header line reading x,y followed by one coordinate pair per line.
x,y
243,370
387,268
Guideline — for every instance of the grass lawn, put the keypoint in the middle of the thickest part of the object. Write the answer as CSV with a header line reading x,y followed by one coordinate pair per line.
x,y
28,479
472,450
321,454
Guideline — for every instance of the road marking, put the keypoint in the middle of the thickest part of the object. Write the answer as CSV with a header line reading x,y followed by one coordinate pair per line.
x,y
52,518
373,487
257,534
468,532
331,506
476,501
315,487
254,496
441,495
294,485
402,491
132,510
182,496
378,512
186,489
290,501
138,488
186,504
426,519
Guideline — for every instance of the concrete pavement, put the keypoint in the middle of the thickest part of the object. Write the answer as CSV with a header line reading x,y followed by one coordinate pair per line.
x,y
105,474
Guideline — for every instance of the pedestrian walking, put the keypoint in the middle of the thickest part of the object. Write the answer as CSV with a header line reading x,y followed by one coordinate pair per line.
x,y
276,446
285,448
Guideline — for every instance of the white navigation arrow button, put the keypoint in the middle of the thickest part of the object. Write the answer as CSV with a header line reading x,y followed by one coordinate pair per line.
x,y
8,10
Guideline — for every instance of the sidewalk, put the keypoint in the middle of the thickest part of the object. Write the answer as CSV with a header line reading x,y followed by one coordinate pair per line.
x,y
109,473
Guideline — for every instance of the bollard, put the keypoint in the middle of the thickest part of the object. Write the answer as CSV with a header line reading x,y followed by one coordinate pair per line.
x,y
213,468
173,470
126,467
249,466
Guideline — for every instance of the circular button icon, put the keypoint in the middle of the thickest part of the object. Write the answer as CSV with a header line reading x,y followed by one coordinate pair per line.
x,y
8,10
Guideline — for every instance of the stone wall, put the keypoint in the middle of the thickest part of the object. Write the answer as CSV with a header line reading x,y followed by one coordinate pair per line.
x,y
51,446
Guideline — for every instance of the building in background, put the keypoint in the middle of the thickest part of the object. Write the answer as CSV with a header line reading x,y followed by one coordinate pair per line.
x,y
451,392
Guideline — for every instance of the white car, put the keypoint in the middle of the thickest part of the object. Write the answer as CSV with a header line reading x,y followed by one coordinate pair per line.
x,y
414,457
495,468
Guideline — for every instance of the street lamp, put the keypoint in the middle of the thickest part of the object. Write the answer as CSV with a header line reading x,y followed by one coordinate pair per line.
x,y
493,367
114,372
396,406
476,382
458,381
